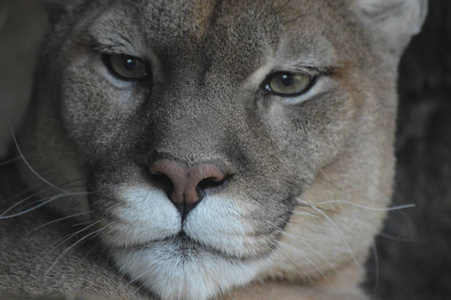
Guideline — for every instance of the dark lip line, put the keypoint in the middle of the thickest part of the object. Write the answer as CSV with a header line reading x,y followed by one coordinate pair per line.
x,y
182,236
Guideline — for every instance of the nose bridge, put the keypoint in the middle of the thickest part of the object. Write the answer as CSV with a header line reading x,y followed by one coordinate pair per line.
x,y
192,116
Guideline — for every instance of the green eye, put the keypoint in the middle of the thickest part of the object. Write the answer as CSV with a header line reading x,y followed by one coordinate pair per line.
x,y
127,67
289,84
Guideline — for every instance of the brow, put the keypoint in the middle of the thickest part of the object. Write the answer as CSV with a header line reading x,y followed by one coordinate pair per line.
x,y
105,37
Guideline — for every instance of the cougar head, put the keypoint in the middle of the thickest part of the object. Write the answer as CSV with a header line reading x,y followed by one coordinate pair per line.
x,y
221,142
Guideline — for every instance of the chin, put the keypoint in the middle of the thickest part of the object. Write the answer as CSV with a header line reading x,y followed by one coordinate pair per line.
x,y
179,268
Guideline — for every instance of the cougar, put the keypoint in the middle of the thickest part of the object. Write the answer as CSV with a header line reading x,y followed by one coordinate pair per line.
x,y
205,149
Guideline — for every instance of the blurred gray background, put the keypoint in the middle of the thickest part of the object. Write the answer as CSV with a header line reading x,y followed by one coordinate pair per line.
x,y
22,25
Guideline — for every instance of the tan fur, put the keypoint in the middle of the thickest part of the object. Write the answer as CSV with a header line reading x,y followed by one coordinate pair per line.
x,y
309,181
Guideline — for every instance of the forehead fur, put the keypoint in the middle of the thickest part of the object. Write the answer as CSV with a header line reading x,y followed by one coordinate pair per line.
x,y
197,17
296,32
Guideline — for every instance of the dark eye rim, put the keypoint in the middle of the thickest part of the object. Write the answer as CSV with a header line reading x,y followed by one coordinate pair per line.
x,y
106,58
267,87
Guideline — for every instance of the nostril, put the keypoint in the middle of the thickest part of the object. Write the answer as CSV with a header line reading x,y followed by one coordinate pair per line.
x,y
212,182
173,176
186,185
164,182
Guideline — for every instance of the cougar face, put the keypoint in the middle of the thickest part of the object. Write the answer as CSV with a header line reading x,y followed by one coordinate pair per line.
x,y
219,142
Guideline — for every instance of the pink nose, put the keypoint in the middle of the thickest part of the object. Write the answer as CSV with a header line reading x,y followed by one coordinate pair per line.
x,y
188,182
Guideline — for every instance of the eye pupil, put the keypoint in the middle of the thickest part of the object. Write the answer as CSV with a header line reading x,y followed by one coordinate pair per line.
x,y
287,79
130,64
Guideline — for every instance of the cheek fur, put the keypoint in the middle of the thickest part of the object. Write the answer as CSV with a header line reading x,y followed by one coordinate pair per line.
x,y
225,224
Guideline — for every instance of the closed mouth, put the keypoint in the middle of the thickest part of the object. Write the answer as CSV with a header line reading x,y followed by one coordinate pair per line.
x,y
187,246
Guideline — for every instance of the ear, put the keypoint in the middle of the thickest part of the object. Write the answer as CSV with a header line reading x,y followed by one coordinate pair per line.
x,y
396,20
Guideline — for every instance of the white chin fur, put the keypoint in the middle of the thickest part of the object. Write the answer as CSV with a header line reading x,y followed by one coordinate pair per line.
x,y
185,274
146,246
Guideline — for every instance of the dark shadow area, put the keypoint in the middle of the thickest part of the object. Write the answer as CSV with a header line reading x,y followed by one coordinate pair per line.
x,y
22,25
414,259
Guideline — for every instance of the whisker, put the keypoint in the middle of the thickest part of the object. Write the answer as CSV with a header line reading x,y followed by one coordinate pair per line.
x,y
303,213
411,224
20,202
308,224
296,237
300,239
23,192
230,295
93,249
135,279
395,239
20,194
71,247
82,223
332,223
60,219
376,264
292,260
303,254
9,161
138,288
29,166
31,204
2,217
306,242
399,207
74,234
101,254
309,261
